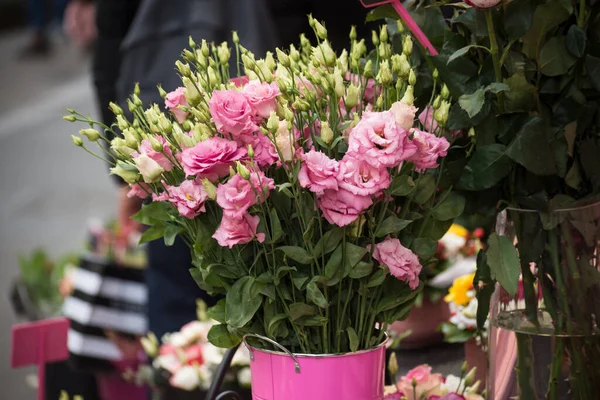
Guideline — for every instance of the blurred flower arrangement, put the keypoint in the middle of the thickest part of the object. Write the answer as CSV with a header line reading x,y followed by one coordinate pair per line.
x,y
421,384
307,190
109,242
188,361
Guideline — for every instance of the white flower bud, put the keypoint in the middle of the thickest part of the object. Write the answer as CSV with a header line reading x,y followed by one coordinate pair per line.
x,y
412,78
435,75
69,118
77,141
136,89
408,97
437,102
353,35
352,96
235,37
224,53
115,108
445,93
273,123
342,62
184,69
211,189
270,62
320,30
379,102
368,71
242,170
383,34
150,344
385,76
204,48
407,45
375,38
92,134
283,58
294,54
471,132
339,83
127,172
441,114
151,170
122,123
192,94
326,132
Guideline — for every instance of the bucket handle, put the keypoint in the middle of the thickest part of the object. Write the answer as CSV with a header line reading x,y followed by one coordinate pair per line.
x,y
274,343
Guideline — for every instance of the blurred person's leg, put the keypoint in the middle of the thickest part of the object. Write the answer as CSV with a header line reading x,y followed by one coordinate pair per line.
x,y
38,44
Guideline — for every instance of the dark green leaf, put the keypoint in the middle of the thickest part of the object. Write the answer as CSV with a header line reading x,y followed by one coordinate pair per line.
x,y
155,211
503,259
474,20
459,77
484,295
462,51
576,41
432,23
297,254
334,263
328,242
472,103
522,95
217,312
313,321
310,229
276,230
377,278
361,270
269,291
299,281
314,294
402,185
274,323
171,232
391,224
220,336
352,338
382,12
242,303
451,207
300,310
573,178
153,233
424,248
281,272
555,59
518,16
425,189
592,64
497,87
589,151
354,254
533,135
487,167
546,17
265,277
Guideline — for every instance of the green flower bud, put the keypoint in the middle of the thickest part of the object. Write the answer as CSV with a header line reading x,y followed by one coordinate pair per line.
x,y
384,51
304,42
150,345
273,123
132,107
115,108
383,34
250,151
407,45
294,54
122,123
320,30
445,92
70,118
192,94
474,388
353,33
127,172
408,97
283,58
368,71
211,189
270,62
249,63
385,76
441,114
374,38
471,132
405,69
119,146
136,89
91,134
379,102
463,368
137,101
339,87
187,125
191,42
131,138
184,69
436,74
352,96
311,21
301,105
393,366
342,62
164,124
77,141
412,78
242,170
470,378
326,132
400,26
235,37
204,48
437,102
188,56
328,53
224,53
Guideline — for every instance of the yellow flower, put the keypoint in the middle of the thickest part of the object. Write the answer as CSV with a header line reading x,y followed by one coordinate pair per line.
x,y
458,230
459,291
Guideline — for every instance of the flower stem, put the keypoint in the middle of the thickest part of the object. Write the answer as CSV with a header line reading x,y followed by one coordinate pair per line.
x,y
494,50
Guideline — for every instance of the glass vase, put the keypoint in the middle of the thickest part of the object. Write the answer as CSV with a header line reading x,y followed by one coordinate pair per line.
x,y
545,340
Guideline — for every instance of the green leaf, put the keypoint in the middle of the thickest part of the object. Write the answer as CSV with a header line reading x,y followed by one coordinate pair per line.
x,y
518,16
171,232
153,233
589,149
217,312
592,64
432,23
402,185
497,87
546,17
522,95
314,294
352,339
155,211
555,59
377,278
334,263
269,291
487,166
472,103
576,41
276,230
382,12
299,281
361,270
242,303
313,321
391,224
454,335
424,248
474,20
274,323
464,50
451,207
297,254
425,189
281,272
573,178
300,310
328,242
533,135
504,264
354,254
220,336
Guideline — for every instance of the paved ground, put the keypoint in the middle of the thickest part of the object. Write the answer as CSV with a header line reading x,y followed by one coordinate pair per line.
x,y
48,187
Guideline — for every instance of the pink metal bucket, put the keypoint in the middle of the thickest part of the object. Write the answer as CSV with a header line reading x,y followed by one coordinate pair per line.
x,y
287,376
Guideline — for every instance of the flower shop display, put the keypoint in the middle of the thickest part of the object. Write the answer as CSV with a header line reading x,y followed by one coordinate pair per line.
x,y
455,256
525,74
421,384
308,194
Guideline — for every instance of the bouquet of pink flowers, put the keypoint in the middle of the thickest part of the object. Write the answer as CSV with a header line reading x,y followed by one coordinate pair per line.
x,y
308,190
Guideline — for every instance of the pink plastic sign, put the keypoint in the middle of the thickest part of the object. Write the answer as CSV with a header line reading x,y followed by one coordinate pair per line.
x,y
38,343
407,19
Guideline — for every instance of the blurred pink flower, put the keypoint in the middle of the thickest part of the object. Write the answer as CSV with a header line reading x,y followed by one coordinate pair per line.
x,y
428,384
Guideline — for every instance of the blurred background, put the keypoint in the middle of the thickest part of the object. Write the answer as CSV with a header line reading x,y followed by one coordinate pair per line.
x,y
49,187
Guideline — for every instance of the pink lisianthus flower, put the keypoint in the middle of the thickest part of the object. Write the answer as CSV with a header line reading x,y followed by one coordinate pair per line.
x,y
318,172
404,114
262,97
239,194
361,178
380,141
428,384
341,207
140,190
265,152
402,263
231,113
189,198
211,158
234,231
426,119
173,100
429,149
161,157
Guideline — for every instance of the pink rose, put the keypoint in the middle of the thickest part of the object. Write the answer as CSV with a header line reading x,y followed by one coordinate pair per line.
x,y
341,207
189,198
361,178
380,141
211,158
140,190
161,157
428,384
193,355
483,3
402,263
429,149
318,172
427,120
262,97
234,231
404,114
239,194
231,113
173,100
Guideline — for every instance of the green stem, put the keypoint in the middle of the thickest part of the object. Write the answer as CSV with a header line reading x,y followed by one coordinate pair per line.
x,y
581,16
557,362
494,50
525,368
